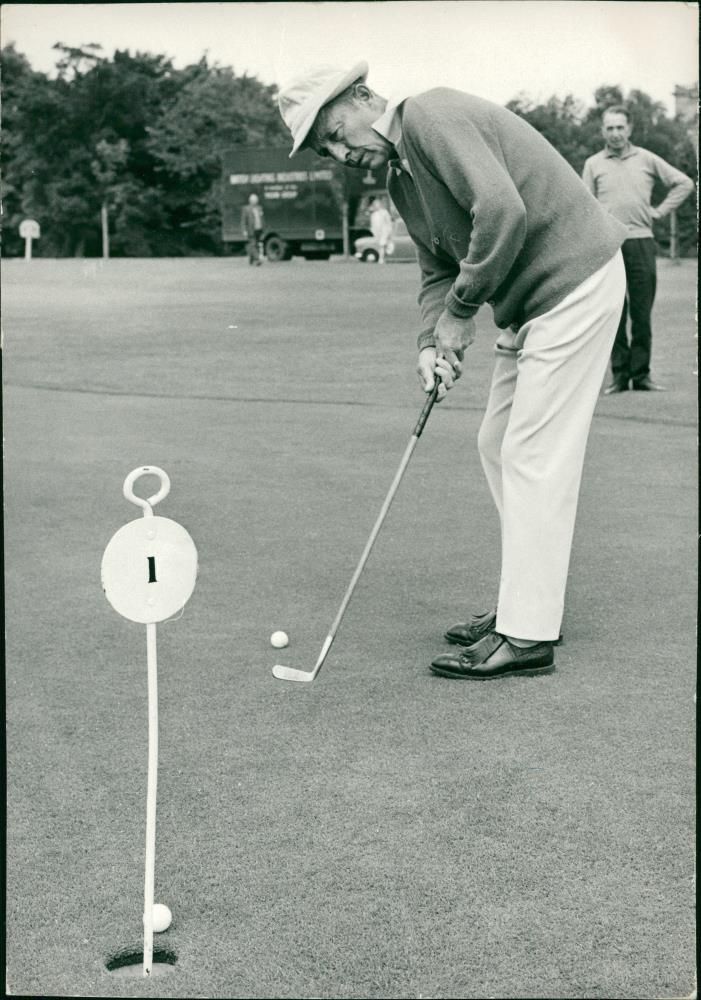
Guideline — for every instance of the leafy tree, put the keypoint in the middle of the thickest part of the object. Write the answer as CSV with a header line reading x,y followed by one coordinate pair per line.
x,y
213,110
21,87
58,126
129,132
135,135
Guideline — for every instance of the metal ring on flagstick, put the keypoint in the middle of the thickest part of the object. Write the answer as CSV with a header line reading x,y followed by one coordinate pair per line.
x,y
146,470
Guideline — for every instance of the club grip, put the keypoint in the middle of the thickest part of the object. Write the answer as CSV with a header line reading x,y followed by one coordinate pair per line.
x,y
428,405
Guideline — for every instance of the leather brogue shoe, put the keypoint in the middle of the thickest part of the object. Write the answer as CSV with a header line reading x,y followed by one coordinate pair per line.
x,y
494,656
468,633
618,385
647,385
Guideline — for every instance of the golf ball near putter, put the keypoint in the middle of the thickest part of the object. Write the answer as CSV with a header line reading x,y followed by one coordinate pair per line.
x,y
279,640
161,917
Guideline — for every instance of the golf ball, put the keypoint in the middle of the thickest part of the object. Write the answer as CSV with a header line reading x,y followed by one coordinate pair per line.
x,y
279,640
161,917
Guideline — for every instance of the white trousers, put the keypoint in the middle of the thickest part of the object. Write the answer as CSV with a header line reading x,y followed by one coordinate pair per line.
x,y
532,440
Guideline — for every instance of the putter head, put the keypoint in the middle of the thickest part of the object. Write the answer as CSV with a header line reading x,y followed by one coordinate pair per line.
x,y
290,674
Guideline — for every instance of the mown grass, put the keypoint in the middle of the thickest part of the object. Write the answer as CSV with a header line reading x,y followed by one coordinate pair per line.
x,y
381,833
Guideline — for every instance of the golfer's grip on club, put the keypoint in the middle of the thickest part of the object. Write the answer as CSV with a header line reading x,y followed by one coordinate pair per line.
x,y
428,405
443,360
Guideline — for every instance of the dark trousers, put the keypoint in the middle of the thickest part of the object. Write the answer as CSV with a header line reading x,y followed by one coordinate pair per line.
x,y
630,359
253,246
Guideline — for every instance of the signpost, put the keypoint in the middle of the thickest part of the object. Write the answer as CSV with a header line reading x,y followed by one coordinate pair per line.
x,y
29,230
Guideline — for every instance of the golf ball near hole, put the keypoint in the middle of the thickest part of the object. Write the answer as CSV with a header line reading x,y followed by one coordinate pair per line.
x,y
161,917
279,640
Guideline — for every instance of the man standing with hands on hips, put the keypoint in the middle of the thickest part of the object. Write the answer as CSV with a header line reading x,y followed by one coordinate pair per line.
x,y
498,218
621,176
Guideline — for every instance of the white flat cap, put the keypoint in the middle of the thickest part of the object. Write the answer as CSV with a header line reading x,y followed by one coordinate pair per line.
x,y
302,99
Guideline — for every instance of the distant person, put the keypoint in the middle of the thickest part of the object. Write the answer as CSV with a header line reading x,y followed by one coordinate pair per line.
x,y
381,226
621,176
252,225
499,218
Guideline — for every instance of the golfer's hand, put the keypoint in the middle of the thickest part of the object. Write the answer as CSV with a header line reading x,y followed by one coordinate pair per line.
x,y
453,335
431,367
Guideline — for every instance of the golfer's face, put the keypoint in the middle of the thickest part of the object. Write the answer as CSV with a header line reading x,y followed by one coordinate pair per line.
x,y
350,139
615,129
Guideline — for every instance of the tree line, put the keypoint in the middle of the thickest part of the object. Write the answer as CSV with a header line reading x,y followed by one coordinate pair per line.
x,y
141,141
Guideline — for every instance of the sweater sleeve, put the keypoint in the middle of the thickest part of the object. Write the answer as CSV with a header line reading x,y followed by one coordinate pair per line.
x,y
437,277
466,158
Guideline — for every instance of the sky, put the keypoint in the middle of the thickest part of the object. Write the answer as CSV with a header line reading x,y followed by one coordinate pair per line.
x,y
495,48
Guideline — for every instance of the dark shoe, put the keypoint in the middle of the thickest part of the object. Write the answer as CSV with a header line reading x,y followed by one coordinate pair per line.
x,y
647,385
494,656
618,385
468,633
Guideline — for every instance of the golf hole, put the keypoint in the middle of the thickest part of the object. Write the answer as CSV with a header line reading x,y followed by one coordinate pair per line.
x,y
130,964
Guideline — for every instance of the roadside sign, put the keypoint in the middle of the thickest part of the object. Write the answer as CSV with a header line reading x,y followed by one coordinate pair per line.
x,y
29,230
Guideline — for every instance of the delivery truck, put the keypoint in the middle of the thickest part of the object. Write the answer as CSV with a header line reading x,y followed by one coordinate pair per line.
x,y
312,207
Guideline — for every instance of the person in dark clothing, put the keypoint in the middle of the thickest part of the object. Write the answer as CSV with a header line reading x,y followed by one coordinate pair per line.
x,y
252,225
621,176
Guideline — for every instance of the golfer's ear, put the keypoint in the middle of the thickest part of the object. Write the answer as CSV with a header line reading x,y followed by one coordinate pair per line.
x,y
361,92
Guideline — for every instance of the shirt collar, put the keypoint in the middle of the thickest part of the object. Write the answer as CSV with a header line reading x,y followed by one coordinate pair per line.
x,y
631,151
389,126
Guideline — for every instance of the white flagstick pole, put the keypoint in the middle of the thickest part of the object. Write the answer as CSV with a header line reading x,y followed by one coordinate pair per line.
x,y
151,795
130,551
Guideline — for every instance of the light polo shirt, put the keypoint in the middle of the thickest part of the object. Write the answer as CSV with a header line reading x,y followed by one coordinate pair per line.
x,y
389,126
623,184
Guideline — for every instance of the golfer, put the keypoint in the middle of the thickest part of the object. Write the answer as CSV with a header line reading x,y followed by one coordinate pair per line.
x,y
498,219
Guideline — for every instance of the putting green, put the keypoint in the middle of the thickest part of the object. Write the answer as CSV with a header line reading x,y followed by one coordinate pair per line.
x,y
381,832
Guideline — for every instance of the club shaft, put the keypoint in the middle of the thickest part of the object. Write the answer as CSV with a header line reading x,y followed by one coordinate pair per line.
x,y
373,535
378,524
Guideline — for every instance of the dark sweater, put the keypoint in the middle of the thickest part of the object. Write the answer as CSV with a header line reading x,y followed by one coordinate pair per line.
x,y
497,214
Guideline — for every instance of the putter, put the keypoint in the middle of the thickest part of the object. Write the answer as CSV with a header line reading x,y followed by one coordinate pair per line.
x,y
291,673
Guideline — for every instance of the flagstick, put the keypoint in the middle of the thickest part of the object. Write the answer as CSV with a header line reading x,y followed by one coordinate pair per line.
x,y
151,795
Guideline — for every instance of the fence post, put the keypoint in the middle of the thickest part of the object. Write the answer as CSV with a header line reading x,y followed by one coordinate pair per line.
x,y
104,219
344,224
673,239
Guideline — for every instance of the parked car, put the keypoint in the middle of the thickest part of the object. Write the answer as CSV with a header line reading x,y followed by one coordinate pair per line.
x,y
400,246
